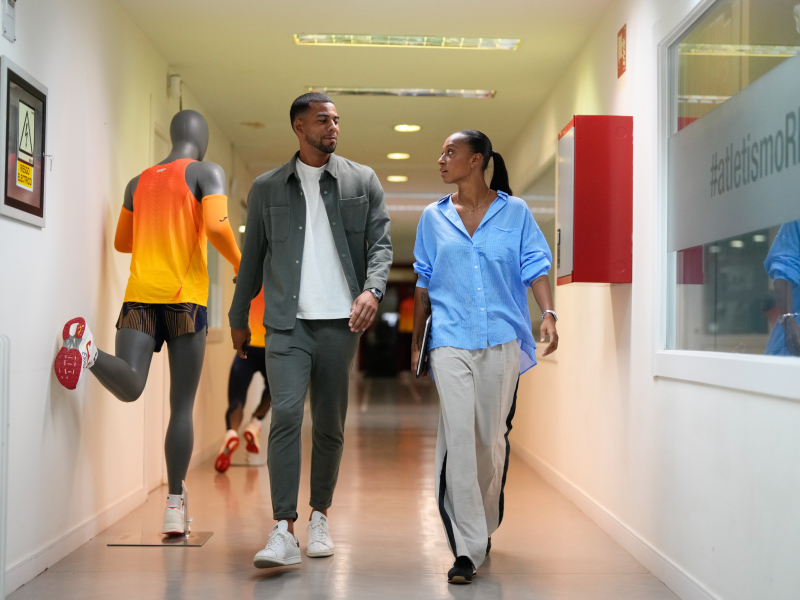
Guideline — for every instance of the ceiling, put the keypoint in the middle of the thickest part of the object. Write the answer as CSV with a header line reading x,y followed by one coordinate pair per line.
x,y
240,60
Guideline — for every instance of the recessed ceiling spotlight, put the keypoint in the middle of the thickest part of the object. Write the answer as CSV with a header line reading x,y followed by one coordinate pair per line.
x,y
416,92
407,128
398,156
397,178
241,228
759,238
405,41
737,244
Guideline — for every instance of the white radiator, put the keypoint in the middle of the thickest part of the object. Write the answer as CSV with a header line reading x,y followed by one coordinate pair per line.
x,y
5,377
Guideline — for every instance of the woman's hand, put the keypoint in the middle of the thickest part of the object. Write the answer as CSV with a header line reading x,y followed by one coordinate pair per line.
x,y
549,328
791,333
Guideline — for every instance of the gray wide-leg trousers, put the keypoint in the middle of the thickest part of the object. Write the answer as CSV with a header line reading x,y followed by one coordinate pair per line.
x,y
316,354
477,392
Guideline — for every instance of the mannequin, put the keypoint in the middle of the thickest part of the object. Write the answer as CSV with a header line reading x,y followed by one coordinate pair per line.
x,y
167,218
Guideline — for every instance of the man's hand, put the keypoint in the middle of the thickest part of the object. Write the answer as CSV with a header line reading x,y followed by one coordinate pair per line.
x,y
362,314
240,338
549,328
791,334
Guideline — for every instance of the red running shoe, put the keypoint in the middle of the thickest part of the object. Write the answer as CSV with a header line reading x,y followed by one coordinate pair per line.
x,y
230,444
252,435
78,353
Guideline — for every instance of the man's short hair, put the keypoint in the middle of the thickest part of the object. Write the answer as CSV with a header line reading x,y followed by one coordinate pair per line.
x,y
301,104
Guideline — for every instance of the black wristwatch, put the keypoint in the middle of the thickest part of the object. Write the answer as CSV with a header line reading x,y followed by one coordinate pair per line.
x,y
377,293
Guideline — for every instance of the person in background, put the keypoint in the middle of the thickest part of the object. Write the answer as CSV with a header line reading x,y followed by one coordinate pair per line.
x,y
783,266
242,372
477,251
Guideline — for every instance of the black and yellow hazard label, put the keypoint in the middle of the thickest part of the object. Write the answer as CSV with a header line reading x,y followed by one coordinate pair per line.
x,y
24,175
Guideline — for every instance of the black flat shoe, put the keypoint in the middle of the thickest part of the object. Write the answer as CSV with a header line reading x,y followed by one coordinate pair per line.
x,y
462,571
489,545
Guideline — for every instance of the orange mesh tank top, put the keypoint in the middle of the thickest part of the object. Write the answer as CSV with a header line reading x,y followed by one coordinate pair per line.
x,y
168,264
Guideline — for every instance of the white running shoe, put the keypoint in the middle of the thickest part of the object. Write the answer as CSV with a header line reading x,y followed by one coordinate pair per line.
x,y
77,354
173,520
252,435
282,549
319,538
230,444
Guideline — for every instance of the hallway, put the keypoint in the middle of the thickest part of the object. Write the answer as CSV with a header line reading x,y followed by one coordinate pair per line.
x,y
389,539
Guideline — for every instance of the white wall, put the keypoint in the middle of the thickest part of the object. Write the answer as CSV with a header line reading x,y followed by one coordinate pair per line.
x,y
698,482
80,460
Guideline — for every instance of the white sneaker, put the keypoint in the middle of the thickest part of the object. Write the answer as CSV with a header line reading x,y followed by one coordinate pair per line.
x,y
77,354
252,435
319,538
173,520
282,549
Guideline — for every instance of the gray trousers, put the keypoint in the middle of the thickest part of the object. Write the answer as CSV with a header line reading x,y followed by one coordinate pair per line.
x,y
318,354
477,392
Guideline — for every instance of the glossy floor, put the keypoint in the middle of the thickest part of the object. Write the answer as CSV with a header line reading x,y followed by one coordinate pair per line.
x,y
389,539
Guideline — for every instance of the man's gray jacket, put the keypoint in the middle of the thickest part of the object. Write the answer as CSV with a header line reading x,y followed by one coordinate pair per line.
x,y
275,235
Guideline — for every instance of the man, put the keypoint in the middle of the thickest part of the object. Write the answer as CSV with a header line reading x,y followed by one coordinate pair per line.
x,y
318,238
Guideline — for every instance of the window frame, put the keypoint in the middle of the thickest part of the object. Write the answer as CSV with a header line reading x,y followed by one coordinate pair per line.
x,y
768,375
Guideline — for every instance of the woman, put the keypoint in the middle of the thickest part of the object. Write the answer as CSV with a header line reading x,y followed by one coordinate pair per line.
x,y
476,253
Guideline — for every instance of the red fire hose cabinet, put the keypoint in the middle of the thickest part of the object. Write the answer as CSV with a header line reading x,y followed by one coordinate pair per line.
x,y
594,206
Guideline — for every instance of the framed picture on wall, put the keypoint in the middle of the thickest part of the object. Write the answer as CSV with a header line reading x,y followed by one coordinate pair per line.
x,y
23,120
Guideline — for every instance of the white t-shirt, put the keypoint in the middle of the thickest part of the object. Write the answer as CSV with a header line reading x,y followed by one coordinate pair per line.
x,y
323,287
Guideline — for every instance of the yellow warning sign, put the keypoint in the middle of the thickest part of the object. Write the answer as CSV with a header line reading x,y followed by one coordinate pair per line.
x,y
25,146
24,175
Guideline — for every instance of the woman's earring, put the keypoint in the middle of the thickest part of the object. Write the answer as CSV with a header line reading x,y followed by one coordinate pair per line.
x,y
471,166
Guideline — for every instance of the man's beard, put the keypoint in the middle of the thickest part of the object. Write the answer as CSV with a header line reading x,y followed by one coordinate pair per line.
x,y
321,146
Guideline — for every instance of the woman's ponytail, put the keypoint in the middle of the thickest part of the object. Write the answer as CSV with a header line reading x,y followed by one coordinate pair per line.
x,y
500,175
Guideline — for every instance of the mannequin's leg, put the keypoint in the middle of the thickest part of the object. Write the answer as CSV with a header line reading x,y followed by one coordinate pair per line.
x,y
125,374
186,354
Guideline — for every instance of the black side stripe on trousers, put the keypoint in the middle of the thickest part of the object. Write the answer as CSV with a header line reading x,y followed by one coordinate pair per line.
x,y
508,452
448,524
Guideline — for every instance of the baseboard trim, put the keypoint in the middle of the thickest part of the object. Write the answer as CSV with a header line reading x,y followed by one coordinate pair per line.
x,y
671,574
25,569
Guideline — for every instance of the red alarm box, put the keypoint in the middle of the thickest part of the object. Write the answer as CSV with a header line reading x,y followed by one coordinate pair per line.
x,y
594,209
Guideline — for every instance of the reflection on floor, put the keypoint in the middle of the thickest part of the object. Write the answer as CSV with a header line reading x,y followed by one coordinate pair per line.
x,y
389,540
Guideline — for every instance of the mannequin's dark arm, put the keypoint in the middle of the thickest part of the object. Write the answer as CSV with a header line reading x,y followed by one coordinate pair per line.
x,y
210,180
130,190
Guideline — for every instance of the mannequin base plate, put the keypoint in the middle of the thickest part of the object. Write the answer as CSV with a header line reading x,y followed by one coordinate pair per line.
x,y
141,538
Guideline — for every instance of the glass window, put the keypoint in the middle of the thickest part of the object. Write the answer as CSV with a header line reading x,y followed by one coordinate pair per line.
x,y
734,180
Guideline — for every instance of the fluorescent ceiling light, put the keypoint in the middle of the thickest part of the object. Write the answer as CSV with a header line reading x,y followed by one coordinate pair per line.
x,y
738,50
344,91
714,249
398,156
759,238
701,99
404,41
737,244
241,228
397,178
407,128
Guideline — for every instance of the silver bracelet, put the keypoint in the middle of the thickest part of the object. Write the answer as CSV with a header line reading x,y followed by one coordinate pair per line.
x,y
552,312
782,318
